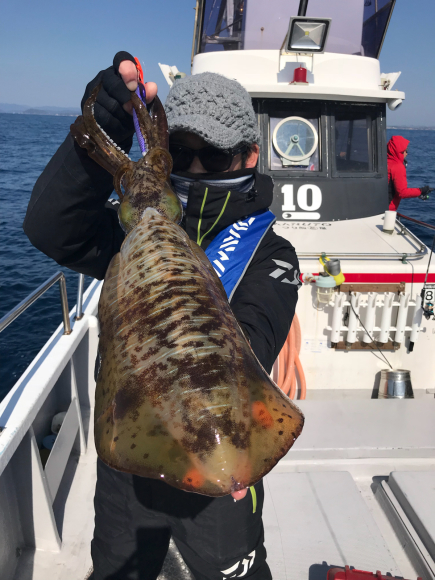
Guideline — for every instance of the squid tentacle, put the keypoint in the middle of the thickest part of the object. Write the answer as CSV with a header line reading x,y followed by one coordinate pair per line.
x,y
104,151
158,117
117,179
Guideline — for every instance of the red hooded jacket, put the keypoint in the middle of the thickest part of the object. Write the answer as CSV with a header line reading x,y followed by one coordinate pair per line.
x,y
397,183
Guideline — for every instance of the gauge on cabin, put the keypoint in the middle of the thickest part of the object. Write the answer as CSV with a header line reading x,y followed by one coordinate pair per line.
x,y
295,139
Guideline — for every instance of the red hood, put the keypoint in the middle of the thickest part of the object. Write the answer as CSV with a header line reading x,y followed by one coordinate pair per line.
x,y
396,147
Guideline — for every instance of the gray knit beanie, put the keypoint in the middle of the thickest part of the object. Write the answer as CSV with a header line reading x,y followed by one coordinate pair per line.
x,y
214,107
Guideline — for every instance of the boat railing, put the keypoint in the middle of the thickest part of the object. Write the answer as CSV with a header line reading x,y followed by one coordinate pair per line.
x,y
79,309
59,380
33,297
419,222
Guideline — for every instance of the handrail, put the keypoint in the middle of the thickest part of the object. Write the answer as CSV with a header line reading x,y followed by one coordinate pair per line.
x,y
31,298
79,309
398,255
420,223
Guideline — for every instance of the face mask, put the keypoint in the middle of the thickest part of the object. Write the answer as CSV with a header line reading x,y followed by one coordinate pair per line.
x,y
221,176
241,180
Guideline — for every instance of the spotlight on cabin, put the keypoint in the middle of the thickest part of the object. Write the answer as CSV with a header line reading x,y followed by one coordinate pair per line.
x,y
394,104
307,34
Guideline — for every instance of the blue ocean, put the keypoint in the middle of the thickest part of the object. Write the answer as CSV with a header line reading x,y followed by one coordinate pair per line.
x,y
27,143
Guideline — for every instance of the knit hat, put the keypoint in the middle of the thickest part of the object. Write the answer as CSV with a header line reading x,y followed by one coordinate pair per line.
x,y
214,107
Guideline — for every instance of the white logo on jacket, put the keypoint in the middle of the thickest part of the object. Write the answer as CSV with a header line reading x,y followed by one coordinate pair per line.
x,y
229,244
246,563
279,272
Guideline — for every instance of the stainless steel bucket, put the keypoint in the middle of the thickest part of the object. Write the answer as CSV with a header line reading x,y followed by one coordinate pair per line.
x,y
395,384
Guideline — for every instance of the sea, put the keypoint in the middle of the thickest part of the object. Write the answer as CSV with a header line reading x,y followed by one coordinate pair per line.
x,y
27,142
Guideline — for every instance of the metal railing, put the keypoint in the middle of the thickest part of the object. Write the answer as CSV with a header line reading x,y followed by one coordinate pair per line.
x,y
31,298
79,309
420,223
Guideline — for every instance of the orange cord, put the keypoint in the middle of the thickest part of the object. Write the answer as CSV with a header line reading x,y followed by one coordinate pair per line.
x,y
298,333
282,363
289,346
302,379
289,362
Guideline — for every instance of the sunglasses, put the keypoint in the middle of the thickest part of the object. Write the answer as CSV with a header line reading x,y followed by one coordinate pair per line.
x,y
213,160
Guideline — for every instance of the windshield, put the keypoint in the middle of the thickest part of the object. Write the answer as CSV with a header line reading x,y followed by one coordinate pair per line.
x,y
223,25
357,26
377,14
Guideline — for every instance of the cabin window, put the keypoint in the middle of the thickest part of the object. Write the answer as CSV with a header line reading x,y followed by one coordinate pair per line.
x,y
358,27
222,26
377,14
294,140
352,142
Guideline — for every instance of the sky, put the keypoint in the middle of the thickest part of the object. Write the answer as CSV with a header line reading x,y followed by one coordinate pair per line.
x,y
51,49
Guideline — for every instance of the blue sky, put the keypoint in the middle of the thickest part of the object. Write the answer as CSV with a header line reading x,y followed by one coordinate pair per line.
x,y
51,49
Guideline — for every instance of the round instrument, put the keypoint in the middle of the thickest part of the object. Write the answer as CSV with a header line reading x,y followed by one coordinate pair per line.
x,y
295,139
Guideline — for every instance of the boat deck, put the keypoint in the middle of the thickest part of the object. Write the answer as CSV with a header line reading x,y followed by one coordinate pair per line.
x,y
345,237
316,520
322,506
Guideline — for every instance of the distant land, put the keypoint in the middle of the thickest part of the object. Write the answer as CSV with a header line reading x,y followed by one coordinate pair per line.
x,y
28,110
73,112
411,128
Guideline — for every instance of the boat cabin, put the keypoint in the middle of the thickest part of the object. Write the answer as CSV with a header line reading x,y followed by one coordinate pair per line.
x,y
321,100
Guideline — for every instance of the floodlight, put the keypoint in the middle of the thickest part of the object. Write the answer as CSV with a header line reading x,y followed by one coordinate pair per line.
x,y
307,34
394,104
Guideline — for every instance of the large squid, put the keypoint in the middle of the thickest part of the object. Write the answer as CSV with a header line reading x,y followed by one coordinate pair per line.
x,y
180,395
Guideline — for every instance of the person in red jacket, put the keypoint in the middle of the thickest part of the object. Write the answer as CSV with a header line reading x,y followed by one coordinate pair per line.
x,y
397,184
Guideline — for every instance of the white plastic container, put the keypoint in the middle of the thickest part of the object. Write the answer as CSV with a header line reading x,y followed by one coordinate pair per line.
x,y
389,222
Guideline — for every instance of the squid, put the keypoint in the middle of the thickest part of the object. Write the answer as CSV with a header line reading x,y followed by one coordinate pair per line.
x,y
180,395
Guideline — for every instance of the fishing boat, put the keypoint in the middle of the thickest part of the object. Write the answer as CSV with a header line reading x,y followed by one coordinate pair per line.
x,y
358,487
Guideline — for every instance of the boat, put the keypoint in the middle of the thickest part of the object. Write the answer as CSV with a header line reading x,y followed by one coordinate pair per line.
x,y
358,487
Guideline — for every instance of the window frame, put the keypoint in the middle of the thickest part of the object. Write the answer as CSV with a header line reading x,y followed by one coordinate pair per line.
x,y
267,108
374,112
199,47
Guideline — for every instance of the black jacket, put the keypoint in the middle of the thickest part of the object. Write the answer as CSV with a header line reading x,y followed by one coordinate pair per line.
x,y
70,220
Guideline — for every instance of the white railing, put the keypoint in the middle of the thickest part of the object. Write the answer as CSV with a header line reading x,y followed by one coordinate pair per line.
x,y
33,297
60,378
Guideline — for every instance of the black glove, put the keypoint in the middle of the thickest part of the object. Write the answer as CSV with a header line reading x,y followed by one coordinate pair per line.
x,y
108,110
424,192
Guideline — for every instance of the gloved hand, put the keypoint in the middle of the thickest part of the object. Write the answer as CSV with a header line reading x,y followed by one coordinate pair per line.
x,y
113,110
425,192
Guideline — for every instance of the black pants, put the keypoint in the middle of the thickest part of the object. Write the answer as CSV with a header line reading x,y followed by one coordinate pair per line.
x,y
135,518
